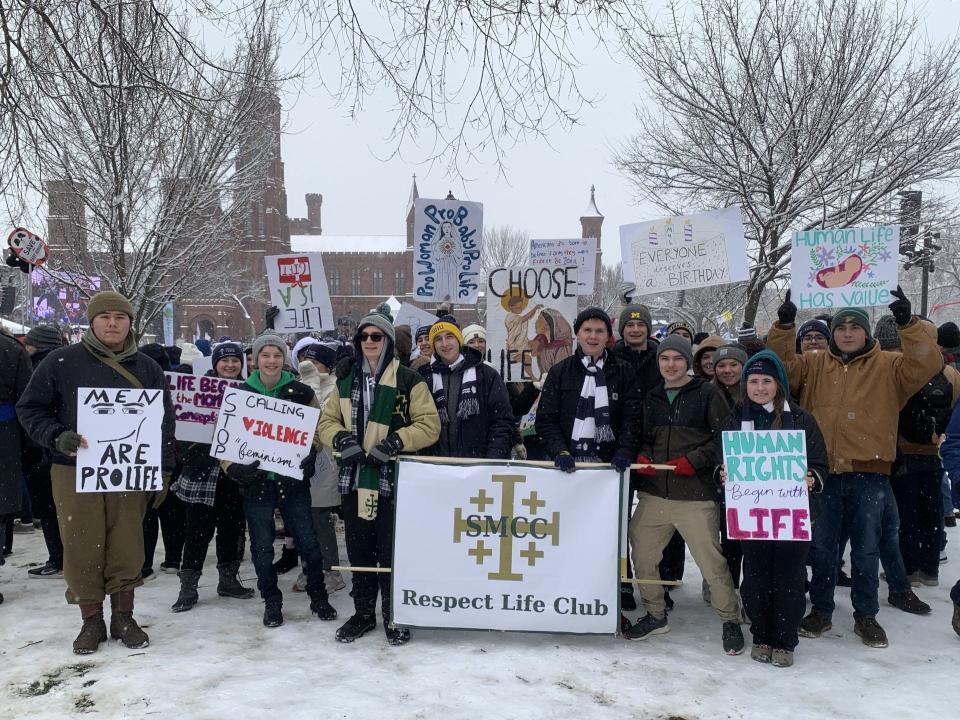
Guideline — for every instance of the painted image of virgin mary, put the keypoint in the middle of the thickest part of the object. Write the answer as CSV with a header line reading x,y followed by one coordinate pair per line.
x,y
553,341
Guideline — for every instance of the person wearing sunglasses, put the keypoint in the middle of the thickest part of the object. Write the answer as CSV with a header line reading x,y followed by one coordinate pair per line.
x,y
377,409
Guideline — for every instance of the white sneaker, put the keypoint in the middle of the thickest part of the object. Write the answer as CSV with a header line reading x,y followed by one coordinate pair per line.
x,y
333,581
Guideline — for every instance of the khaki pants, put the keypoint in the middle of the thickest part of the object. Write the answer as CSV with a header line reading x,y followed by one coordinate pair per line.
x,y
102,538
651,528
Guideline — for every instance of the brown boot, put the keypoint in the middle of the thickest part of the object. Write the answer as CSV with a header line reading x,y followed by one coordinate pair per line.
x,y
122,625
94,630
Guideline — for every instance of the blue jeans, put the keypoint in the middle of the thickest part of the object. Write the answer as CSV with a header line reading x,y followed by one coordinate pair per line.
x,y
293,499
857,502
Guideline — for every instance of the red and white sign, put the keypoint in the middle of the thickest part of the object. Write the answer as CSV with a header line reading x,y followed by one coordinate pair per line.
x,y
298,287
28,246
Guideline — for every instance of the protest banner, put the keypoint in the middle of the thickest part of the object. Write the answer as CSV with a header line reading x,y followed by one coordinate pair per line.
x,y
447,237
844,267
686,251
298,287
766,487
410,314
531,548
276,432
530,313
122,427
196,401
581,252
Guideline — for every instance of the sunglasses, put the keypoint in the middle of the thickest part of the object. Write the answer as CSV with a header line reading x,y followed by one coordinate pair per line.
x,y
372,337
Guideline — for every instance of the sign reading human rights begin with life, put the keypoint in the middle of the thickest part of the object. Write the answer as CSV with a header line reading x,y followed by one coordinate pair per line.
x,y
447,238
766,487
687,251
506,547
298,288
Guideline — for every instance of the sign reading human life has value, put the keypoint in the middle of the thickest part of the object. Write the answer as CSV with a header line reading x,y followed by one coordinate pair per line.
x,y
298,288
766,487
506,547
122,427
846,267
447,238
253,427
196,401
687,251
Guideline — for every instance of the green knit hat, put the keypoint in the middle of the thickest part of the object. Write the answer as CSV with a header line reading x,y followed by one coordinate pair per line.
x,y
108,301
855,315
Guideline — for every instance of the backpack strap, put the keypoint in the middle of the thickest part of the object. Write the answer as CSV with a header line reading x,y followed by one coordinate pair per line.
x,y
114,365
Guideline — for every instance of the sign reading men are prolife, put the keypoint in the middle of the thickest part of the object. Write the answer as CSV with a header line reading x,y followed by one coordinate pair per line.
x,y
766,487
845,267
530,311
196,401
122,427
581,252
298,287
686,251
494,546
253,427
447,238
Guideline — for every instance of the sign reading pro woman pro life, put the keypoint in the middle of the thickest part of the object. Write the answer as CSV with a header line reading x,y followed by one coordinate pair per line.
x,y
447,237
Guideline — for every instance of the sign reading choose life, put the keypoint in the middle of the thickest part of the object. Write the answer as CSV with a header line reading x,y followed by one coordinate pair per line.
x,y
255,427
506,547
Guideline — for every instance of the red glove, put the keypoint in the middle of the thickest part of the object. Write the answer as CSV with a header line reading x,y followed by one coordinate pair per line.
x,y
682,466
644,460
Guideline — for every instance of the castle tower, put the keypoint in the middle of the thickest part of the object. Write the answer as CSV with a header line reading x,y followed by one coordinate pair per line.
x,y
314,208
591,225
66,219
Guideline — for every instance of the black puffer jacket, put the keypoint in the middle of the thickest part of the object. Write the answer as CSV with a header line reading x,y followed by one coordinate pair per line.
x,y
558,406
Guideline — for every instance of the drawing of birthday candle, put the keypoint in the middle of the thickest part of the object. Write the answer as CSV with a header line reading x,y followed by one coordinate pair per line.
x,y
687,231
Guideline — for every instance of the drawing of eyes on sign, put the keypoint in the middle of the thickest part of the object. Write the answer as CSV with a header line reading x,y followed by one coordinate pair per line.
x,y
298,287
845,267
122,427
687,251
447,237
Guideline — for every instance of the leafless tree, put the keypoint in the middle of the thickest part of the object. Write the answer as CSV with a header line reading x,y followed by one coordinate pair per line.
x,y
606,292
806,113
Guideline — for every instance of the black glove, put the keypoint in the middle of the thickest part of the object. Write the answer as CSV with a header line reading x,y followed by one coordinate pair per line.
x,y
381,454
271,315
621,460
787,312
350,451
68,442
309,465
902,312
242,474
13,261
564,461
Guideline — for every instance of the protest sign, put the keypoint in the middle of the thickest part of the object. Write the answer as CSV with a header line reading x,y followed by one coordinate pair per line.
x,y
581,252
276,432
447,237
766,487
122,427
844,267
298,287
530,311
196,400
531,548
687,251
168,334
410,314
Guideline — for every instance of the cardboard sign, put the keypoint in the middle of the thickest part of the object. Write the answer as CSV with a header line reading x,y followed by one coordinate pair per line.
x,y
530,314
687,251
846,267
410,314
298,287
196,401
766,488
447,237
506,547
581,252
122,427
28,247
252,427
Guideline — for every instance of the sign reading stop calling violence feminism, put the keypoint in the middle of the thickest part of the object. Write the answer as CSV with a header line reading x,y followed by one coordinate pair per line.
x,y
581,252
447,237
687,251
766,487
298,287
506,547
196,401
530,312
122,427
255,427
846,267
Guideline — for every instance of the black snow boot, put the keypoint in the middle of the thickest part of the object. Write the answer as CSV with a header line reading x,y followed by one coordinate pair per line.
x,y
908,602
395,635
229,584
732,638
357,626
627,599
321,607
870,632
289,559
273,613
188,591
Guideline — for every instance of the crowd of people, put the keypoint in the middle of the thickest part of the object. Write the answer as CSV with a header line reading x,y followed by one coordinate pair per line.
x,y
876,404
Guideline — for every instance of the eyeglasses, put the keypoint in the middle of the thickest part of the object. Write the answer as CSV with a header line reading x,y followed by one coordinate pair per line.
x,y
372,337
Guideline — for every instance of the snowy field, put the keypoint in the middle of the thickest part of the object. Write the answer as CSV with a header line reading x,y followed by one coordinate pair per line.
x,y
218,661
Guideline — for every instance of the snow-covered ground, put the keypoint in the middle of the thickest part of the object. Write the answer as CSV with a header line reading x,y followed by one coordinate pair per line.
x,y
218,661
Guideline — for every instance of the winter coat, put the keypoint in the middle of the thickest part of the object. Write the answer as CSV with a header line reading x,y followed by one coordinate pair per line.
x,y
950,447
49,405
857,403
557,409
323,484
906,447
643,363
688,427
489,433
709,343
15,369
